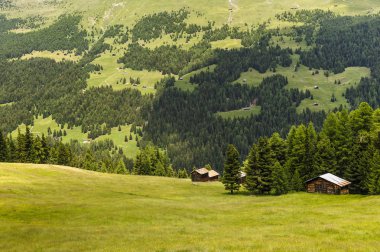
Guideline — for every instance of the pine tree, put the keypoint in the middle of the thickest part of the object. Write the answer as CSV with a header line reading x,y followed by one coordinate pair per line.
x,y
296,183
279,180
231,175
121,169
3,148
310,149
278,147
259,168
374,178
28,146
325,160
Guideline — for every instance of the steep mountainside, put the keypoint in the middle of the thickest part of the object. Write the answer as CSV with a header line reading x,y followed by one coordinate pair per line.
x,y
187,76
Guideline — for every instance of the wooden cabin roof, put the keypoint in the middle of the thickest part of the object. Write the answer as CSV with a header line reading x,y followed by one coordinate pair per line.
x,y
333,179
212,174
201,171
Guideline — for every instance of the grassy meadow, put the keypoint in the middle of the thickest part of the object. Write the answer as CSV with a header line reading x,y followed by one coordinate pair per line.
x,y
240,113
304,79
102,13
52,208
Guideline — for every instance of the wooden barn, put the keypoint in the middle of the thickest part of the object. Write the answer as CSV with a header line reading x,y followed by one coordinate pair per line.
x,y
213,176
204,175
328,184
200,175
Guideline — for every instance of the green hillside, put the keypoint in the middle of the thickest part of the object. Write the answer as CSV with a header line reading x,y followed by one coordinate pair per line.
x,y
90,68
52,208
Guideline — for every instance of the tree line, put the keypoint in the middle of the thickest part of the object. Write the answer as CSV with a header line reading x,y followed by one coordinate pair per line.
x,y
348,146
100,156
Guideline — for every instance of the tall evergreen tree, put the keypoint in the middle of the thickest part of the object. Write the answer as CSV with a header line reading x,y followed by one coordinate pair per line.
x,y
374,178
279,180
259,168
231,175
325,159
3,148
278,147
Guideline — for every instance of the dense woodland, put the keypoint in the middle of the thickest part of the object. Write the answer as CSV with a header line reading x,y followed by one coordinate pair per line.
x,y
348,145
184,123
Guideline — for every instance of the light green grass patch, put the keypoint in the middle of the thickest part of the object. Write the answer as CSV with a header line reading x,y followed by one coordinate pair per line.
x,y
185,84
130,148
113,72
166,40
53,208
240,113
6,104
226,44
289,42
303,80
58,56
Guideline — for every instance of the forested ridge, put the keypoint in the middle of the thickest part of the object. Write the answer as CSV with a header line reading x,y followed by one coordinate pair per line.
x,y
184,123
348,145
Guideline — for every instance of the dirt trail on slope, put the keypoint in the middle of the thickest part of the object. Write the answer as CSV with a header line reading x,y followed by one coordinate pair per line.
x,y
232,6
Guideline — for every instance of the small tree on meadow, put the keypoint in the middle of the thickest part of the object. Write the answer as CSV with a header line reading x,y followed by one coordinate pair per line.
x,y
231,176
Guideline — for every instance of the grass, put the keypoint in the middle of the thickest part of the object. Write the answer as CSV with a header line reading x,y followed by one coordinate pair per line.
x,y
113,72
41,126
185,84
103,13
303,79
58,56
52,208
227,44
6,104
240,113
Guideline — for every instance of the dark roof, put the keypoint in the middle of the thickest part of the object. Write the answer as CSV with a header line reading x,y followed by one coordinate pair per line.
x,y
333,179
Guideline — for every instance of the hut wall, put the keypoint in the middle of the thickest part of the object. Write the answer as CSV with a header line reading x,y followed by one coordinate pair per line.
x,y
320,185
213,179
196,177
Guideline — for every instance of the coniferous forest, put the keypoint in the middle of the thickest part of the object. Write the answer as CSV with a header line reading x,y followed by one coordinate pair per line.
x,y
347,145
181,129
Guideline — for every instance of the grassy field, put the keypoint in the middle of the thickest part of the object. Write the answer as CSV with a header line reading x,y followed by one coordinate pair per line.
x,y
102,13
240,113
41,126
185,84
113,72
57,56
303,79
52,208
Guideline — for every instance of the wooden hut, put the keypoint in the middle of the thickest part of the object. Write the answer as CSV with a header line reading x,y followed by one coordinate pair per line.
x,y
213,176
204,175
200,175
328,184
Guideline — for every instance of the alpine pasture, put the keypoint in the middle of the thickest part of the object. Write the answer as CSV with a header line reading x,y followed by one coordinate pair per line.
x,y
53,208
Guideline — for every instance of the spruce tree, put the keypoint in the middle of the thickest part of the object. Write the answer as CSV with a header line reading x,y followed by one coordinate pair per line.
x,y
374,178
278,147
279,180
296,183
120,168
258,167
3,148
231,175
325,160
252,170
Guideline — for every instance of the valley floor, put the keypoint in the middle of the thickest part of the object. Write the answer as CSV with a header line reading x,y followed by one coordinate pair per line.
x,y
52,208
